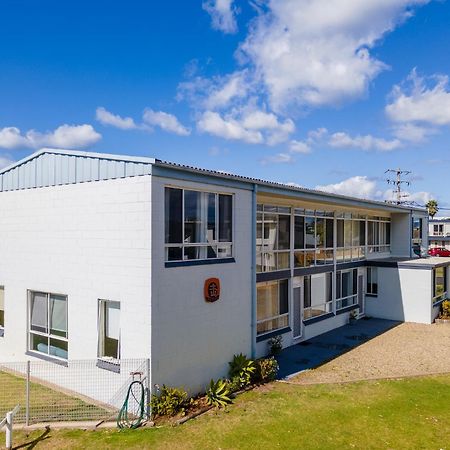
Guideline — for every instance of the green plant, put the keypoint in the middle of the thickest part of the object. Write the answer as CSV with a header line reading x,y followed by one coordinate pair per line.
x,y
241,368
266,370
275,344
445,310
170,401
218,393
234,384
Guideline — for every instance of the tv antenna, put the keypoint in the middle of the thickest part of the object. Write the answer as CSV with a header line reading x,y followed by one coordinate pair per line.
x,y
397,182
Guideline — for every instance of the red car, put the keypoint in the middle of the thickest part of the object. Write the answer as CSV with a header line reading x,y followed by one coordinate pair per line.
x,y
439,251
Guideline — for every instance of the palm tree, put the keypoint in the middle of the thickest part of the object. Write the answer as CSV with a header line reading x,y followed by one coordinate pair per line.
x,y
433,208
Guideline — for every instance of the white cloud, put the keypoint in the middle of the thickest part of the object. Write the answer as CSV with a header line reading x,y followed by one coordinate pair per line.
x,y
299,147
279,158
419,101
5,161
357,186
367,142
412,133
317,52
228,128
222,14
65,136
107,118
167,122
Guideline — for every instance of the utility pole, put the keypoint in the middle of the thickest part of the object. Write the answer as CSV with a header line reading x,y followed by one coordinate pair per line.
x,y
397,182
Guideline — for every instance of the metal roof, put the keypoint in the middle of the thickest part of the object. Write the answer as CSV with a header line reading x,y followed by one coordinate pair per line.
x,y
51,167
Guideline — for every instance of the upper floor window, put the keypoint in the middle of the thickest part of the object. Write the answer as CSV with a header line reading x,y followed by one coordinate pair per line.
x,y
438,230
198,225
48,324
378,234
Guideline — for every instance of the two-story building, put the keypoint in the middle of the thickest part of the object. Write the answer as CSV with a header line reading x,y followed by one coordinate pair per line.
x,y
108,257
439,233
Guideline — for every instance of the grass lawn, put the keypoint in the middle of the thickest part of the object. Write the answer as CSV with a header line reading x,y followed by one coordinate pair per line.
x,y
45,404
395,414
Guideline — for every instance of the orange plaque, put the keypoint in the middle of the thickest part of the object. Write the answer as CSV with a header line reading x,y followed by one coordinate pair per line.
x,y
212,289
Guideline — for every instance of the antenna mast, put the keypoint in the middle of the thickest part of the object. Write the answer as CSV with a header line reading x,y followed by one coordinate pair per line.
x,y
397,182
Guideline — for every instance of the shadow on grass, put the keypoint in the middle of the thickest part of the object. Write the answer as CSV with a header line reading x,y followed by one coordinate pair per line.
x,y
29,445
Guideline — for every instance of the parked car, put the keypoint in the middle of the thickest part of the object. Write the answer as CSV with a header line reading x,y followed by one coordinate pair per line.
x,y
439,251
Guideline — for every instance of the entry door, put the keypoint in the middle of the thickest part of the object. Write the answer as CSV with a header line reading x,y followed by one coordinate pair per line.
x,y
361,294
297,312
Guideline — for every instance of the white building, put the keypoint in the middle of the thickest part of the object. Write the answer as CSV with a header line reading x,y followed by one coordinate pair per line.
x,y
439,233
106,257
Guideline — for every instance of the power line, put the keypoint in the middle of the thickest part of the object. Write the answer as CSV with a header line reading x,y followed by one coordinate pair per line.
x,y
397,182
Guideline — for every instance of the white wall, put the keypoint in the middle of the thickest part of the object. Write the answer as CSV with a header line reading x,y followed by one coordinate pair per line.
x,y
192,340
87,241
401,234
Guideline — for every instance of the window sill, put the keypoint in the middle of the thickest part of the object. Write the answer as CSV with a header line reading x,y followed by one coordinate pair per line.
x,y
371,295
112,366
48,358
266,336
312,320
346,309
199,262
2,332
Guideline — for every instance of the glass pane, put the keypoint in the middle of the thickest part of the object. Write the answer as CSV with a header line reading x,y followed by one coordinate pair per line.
x,y
320,232
225,218
355,233
211,252
224,251
2,307
38,312
309,259
347,233
340,233
284,300
267,300
269,262
284,232
173,215
211,231
310,235
39,343
283,260
174,254
58,315
58,348
192,217
112,319
299,232
299,259
307,292
329,233
270,231
195,252
362,232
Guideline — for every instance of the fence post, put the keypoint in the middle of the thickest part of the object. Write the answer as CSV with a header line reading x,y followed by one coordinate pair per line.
x,y
9,430
27,400
148,410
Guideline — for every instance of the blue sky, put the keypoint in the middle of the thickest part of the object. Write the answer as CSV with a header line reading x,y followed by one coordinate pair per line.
x,y
321,93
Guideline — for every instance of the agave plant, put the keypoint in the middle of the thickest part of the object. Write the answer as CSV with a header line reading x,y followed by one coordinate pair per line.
x,y
242,368
218,394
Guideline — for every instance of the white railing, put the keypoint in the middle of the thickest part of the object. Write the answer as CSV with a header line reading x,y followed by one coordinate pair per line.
x,y
8,422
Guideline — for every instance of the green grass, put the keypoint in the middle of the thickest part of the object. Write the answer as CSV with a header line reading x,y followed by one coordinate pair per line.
x,y
45,404
394,414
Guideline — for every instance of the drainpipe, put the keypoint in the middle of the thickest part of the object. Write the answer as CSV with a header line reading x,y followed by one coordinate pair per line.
x,y
253,271
410,234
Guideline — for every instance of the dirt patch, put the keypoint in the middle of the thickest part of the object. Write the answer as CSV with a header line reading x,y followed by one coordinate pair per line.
x,y
409,349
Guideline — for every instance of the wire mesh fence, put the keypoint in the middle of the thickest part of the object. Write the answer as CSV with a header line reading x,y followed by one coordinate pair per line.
x,y
82,390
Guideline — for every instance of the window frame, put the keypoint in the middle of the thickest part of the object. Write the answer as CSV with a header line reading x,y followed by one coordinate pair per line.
x,y
369,277
436,298
48,334
2,325
327,305
101,323
353,297
215,244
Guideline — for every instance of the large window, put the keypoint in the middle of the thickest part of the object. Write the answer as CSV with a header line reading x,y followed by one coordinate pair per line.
x,y
273,238
272,306
378,234
351,237
318,295
313,238
439,284
372,281
48,324
198,225
2,310
108,329
346,288
417,225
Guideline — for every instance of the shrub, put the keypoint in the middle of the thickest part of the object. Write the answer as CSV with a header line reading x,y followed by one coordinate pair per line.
x,y
266,370
445,310
241,368
234,384
275,344
170,401
218,393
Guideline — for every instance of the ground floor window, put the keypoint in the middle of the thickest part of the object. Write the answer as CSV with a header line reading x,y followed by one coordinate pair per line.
x,y
346,288
318,295
108,329
48,324
439,283
272,306
372,281
2,307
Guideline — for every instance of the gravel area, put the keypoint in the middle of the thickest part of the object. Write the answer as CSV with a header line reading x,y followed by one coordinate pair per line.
x,y
409,349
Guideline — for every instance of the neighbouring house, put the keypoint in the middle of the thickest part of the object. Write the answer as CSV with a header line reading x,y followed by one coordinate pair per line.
x,y
439,233
110,257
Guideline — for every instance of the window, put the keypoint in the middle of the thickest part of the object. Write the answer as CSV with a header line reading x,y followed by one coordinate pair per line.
x,y
346,288
439,284
438,230
272,306
378,234
318,295
48,324
417,230
2,310
108,329
198,225
372,281
273,238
